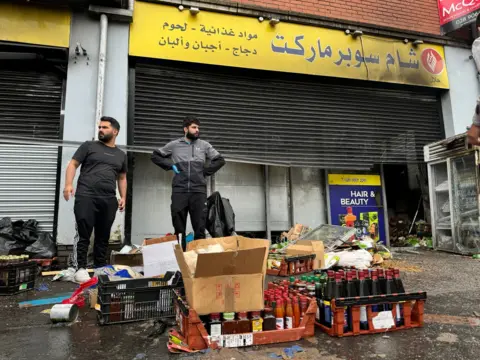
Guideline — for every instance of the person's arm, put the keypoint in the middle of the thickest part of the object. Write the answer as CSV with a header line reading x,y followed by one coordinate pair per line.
x,y
216,161
122,185
473,134
162,157
77,159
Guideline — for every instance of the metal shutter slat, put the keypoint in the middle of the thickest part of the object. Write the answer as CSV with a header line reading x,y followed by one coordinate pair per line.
x,y
285,121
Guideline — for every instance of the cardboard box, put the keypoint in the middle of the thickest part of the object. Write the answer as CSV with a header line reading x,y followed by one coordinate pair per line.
x,y
230,281
159,240
307,247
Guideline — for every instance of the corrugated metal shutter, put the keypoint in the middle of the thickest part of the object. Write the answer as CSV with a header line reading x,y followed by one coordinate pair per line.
x,y
30,107
276,119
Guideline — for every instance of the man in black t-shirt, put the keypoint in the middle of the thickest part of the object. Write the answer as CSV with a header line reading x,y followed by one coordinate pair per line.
x,y
96,204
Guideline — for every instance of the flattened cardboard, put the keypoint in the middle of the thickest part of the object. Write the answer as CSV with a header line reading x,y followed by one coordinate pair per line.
x,y
159,240
307,247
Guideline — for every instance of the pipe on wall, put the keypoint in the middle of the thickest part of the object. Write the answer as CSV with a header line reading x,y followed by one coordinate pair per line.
x,y
102,58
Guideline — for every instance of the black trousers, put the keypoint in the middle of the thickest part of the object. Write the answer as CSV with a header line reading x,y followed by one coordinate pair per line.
x,y
92,213
194,204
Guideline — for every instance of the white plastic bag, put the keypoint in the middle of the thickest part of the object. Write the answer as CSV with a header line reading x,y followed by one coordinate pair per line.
x,y
359,259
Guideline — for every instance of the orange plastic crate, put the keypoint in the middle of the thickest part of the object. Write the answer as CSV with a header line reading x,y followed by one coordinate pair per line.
x,y
412,304
197,338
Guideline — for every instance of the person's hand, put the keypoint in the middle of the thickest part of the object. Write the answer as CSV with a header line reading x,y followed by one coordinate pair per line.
x,y
68,192
175,169
121,204
473,135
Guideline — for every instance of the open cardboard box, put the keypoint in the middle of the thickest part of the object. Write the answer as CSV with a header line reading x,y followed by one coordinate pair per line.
x,y
230,281
308,247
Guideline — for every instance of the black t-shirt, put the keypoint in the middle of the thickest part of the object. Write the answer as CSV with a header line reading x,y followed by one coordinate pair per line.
x,y
100,167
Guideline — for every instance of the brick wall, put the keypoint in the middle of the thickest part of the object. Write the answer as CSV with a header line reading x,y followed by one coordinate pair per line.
x,y
420,15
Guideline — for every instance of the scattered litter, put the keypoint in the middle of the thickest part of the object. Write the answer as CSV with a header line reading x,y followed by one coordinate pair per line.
x,y
64,313
476,314
46,311
401,265
77,297
288,353
140,356
43,287
42,302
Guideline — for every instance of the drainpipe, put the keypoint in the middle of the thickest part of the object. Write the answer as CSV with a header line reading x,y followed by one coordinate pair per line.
x,y
102,56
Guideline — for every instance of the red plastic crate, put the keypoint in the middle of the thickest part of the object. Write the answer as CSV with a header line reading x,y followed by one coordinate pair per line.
x,y
196,336
412,304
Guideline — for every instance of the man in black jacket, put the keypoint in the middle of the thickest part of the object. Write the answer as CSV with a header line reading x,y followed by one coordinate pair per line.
x,y
187,157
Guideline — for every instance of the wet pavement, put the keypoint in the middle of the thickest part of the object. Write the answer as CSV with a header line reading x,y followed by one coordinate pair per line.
x,y
452,331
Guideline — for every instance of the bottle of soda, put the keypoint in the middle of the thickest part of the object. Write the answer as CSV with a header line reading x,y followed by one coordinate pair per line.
x,y
351,292
368,279
392,289
355,279
376,290
364,291
398,281
382,280
327,298
339,292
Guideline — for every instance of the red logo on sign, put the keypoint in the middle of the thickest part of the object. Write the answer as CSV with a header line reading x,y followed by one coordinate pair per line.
x,y
432,61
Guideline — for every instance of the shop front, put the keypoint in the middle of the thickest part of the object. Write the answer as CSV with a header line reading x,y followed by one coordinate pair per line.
x,y
282,102
33,45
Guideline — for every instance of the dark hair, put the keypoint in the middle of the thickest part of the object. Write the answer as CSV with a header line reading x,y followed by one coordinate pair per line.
x,y
115,124
189,120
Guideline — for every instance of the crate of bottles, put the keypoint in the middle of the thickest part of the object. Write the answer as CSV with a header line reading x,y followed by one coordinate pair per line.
x,y
132,300
274,324
17,274
293,265
366,302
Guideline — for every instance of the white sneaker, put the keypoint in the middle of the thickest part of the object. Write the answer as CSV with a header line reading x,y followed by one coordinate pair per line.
x,y
81,276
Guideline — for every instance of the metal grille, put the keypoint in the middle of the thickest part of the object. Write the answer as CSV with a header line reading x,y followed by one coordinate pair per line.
x,y
29,106
274,119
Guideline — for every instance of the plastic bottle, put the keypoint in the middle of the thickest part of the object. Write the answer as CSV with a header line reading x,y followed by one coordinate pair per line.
x,y
279,316
289,315
229,324
296,312
303,307
363,291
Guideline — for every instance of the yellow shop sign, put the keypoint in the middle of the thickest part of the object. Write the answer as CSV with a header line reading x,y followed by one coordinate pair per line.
x,y
31,25
164,32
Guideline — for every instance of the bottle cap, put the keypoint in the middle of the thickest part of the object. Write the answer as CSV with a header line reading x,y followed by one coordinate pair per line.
x,y
229,316
215,316
242,315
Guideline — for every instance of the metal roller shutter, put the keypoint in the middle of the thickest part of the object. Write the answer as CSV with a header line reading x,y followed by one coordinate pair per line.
x,y
274,119
30,104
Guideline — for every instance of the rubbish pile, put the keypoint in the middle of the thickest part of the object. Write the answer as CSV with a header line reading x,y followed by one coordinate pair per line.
x,y
24,238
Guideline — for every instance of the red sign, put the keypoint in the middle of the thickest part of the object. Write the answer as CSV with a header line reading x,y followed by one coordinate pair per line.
x,y
455,14
432,61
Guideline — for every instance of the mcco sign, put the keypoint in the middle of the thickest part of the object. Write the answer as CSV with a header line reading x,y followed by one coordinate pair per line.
x,y
455,14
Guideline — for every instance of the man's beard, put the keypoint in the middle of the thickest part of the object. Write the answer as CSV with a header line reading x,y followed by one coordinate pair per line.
x,y
105,137
192,136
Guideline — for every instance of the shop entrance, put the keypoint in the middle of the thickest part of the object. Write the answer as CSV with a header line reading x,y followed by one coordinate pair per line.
x,y
407,200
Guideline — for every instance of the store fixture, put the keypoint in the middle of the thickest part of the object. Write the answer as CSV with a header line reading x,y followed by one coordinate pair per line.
x,y
454,188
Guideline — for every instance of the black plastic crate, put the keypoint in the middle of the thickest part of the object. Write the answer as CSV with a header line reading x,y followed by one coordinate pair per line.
x,y
136,299
17,278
